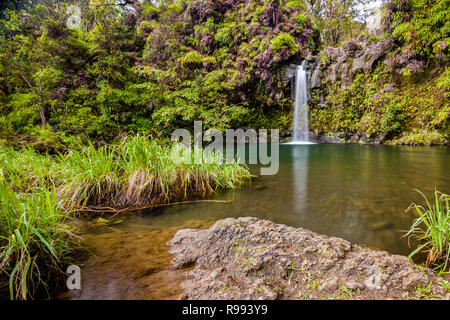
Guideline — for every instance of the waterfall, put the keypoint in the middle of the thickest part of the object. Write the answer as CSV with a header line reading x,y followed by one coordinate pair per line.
x,y
301,125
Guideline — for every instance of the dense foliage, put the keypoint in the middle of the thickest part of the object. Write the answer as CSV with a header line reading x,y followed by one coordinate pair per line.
x,y
154,66
149,68
403,97
380,105
422,26
432,229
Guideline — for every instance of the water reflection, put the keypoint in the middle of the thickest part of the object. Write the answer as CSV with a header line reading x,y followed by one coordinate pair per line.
x,y
300,178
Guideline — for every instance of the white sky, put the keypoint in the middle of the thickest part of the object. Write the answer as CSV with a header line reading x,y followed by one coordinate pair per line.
x,y
371,6
374,4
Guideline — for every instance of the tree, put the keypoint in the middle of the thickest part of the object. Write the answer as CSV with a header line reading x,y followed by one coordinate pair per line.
x,y
15,5
27,63
339,19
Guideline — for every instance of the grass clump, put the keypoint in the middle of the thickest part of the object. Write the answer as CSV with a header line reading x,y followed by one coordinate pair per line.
x,y
150,174
39,192
90,176
432,230
34,240
26,169
139,171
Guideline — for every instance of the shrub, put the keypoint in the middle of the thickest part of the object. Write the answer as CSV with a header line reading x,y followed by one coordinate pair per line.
x,y
432,229
223,36
421,137
194,57
34,240
393,117
284,41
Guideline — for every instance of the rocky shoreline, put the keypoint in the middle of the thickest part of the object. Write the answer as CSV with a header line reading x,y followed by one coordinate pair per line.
x,y
249,258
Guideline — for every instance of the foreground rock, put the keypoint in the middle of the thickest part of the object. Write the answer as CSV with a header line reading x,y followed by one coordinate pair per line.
x,y
248,258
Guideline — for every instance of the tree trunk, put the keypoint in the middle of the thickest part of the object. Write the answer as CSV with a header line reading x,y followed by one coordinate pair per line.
x,y
41,113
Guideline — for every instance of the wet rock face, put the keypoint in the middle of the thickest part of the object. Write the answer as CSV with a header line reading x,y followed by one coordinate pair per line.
x,y
345,62
316,80
248,258
335,70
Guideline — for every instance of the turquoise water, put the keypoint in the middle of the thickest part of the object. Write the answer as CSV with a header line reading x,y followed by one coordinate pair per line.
x,y
355,192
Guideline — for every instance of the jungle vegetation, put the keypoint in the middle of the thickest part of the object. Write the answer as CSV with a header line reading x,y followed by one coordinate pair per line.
x,y
81,88
152,66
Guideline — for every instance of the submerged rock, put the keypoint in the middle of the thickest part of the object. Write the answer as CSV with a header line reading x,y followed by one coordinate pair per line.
x,y
248,258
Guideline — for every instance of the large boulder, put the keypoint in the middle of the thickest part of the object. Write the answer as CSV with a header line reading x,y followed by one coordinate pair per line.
x,y
248,258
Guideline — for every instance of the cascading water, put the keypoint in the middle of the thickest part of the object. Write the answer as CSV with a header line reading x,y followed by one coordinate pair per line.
x,y
301,125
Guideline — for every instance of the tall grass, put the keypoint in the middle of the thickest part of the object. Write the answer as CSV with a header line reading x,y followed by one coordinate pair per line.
x,y
34,240
38,193
145,166
150,175
90,176
138,172
26,169
432,230
135,172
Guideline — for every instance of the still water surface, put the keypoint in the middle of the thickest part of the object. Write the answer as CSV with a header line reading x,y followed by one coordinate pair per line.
x,y
355,192
358,193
